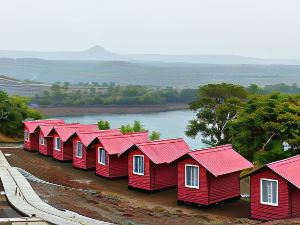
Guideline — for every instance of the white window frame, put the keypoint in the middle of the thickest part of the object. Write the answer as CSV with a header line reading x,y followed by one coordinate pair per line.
x,y
26,135
136,173
55,143
99,155
42,140
185,176
77,144
261,192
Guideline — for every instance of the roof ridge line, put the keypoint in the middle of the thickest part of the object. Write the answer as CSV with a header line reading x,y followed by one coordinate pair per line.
x,y
123,136
88,132
212,149
172,140
286,161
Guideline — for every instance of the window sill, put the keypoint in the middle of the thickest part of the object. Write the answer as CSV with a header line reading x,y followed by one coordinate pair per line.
x,y
269,204
192,187
139,174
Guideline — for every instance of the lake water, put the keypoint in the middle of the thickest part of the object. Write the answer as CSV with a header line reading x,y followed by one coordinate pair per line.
x,y
170,124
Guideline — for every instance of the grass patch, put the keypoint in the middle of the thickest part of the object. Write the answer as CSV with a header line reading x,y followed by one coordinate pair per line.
x,y
159,209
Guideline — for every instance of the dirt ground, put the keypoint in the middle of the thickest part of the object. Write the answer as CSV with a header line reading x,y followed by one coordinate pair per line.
x,y
112,201
88,110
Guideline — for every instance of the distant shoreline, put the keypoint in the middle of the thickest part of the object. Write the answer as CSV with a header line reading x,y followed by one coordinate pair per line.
x,y
116,109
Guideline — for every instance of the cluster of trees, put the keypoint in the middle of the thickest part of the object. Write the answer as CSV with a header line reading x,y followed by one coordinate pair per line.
x,y
128,128
262,127
66,95
14,110
284,88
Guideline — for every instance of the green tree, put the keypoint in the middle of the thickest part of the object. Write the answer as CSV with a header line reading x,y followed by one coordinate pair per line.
x,y
14,110
66,85
254,89
137,126
268,128
103,125
155,135
126,129
216,105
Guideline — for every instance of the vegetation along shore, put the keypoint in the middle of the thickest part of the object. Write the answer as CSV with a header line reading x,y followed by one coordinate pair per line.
x,y
94,110
262,123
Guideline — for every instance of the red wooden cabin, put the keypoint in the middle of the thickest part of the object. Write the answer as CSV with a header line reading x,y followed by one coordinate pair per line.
x,y
62,144
152,166
46,140
84,154
210,175
31,133
275,190
110,163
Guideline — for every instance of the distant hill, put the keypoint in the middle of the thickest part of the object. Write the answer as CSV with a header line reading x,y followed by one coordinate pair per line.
x,y
147,73
100,54
24,88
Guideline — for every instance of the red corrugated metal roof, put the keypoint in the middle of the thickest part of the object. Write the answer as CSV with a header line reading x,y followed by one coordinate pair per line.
x,y
65,132
288,169
220,160
88,137
119,144
47,128
33,124
164,151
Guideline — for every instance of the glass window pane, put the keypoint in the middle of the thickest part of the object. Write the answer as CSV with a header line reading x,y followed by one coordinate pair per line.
x,y
188,175
191,176
269,191
141,165
103,156
196,176
79,149
138,164
99,155
264,191
274,192
57,143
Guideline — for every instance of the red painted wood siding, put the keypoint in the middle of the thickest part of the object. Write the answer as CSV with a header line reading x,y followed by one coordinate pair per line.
x,y
192,195
26,143
49,149
223,187
43,148
102,170
267,212
118,166
155,177
88,156
163,175
115,166
79,162
33,143
295,201
139,181
66,152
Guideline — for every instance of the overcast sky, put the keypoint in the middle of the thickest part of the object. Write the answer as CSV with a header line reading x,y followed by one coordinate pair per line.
x,y
261,28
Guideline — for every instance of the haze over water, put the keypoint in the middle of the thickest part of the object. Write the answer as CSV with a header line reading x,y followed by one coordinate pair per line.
x,y
169,124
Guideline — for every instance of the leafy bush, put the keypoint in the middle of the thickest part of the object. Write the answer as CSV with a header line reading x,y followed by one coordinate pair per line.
x,y
103,125
14,110
155,135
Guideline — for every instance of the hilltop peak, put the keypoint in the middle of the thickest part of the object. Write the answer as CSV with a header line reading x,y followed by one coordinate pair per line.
x,y
96,48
